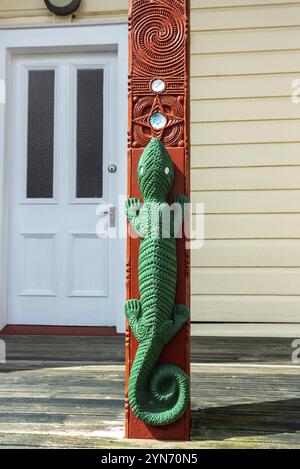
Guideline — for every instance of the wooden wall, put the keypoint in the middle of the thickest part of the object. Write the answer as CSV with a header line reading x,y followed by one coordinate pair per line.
x,y
35,11
245,156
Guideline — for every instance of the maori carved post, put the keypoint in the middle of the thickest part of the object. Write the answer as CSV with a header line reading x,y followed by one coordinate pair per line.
x,y
158,107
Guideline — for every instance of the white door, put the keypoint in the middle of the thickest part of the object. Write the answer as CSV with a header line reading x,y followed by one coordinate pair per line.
x,y
62,140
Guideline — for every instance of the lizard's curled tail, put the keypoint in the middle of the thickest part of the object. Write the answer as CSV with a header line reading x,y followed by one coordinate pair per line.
x,y
157,395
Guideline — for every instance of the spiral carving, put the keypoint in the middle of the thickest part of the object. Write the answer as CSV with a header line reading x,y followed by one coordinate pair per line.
x,y
158,40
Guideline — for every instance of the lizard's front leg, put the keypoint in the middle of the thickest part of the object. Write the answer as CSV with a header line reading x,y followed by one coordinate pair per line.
x,y
133,207
179,213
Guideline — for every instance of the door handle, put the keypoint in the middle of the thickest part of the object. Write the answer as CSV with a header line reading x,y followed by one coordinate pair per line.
x,y
112,216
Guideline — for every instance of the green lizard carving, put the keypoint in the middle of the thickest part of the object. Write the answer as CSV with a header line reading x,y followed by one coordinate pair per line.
x,y
157,395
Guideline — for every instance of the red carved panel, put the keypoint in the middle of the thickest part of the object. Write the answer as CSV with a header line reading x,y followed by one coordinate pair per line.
x,y
158,36
158,49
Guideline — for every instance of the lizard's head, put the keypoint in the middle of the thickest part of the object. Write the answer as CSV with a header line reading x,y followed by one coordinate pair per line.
x,y
155,171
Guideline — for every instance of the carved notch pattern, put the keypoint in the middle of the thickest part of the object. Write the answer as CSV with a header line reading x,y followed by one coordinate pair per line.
x,y
158,31
172,109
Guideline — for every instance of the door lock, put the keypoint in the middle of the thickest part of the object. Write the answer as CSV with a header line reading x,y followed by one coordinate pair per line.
x,y
112,168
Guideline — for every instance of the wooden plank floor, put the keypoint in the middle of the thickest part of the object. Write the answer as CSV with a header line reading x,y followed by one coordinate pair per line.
x,y
67,392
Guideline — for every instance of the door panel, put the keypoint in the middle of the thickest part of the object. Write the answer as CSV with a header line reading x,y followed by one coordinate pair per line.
x,y
60,272
88,260
38,268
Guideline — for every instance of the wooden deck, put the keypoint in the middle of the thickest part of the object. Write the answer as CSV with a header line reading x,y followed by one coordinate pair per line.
x,y
67,392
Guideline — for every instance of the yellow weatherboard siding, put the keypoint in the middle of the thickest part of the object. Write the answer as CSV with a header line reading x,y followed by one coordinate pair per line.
x,y
36,12
245,155
245,158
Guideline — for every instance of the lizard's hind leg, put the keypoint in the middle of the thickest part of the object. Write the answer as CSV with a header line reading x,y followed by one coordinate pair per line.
x,y
133,310
180,317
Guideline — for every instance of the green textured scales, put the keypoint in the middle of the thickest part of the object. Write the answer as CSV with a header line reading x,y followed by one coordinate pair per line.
x,y
158,395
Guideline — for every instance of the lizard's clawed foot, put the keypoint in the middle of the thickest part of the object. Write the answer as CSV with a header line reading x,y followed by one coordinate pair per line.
x,y
133,309
181,316
180,199
133,312
132,206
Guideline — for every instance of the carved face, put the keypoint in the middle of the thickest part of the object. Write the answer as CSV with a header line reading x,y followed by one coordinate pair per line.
x,y
155,172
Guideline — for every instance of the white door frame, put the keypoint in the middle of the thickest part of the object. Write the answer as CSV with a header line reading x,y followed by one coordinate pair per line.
x,y
88,38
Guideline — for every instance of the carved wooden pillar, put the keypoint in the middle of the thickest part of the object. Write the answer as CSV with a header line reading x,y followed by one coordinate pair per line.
x,y
158,50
